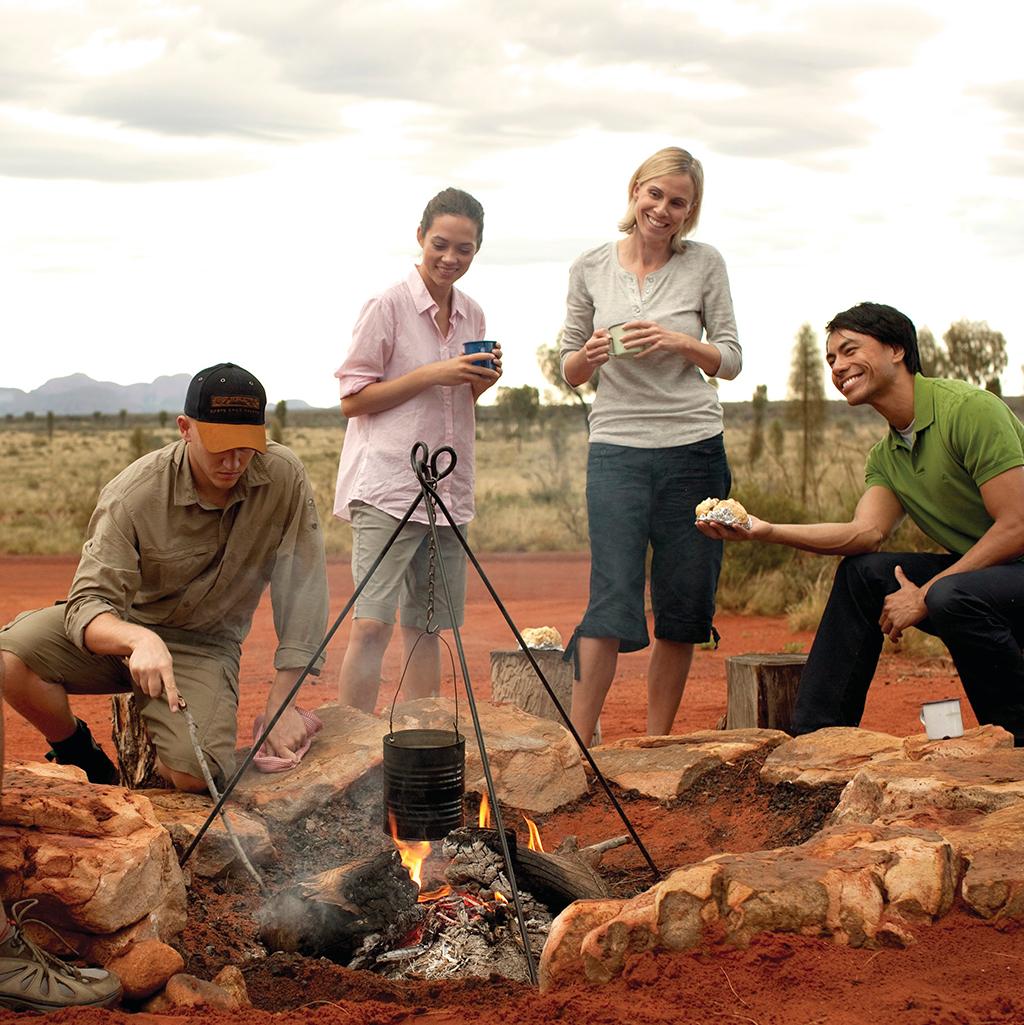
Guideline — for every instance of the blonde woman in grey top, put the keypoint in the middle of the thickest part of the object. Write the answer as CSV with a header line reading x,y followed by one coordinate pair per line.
x,y
655,434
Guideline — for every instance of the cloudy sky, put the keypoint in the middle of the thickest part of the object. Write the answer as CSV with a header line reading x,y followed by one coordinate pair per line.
x,y
186,181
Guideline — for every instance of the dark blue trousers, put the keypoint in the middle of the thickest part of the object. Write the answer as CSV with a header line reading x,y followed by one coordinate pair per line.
x,y
979,616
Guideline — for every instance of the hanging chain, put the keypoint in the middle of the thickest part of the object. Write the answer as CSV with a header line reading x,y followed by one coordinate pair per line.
x,y
431,569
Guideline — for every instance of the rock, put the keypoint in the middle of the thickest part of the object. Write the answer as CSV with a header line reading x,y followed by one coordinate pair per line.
x,y
684,907
974,743
856,885
632,931
188,991
560,961
991,845
103,948
535,763
665,767
232,981
346,749
95,857
145,968
832,755
929,792
182,815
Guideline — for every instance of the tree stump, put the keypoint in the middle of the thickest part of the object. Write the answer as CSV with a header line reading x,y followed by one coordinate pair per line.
x,y
514,681
762,690
136,755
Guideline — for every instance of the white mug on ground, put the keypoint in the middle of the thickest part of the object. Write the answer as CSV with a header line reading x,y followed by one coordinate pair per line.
x,y
942,719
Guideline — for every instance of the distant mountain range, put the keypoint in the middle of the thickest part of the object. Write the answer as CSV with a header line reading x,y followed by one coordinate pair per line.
x,y
80,395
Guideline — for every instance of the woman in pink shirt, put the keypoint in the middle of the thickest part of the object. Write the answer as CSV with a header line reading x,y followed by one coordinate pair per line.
x,y
405,379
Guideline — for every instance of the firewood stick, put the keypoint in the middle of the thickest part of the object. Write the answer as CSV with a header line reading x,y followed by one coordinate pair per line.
x,y
593,853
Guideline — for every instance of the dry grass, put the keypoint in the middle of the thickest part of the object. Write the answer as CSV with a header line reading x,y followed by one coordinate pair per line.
x,y
530,496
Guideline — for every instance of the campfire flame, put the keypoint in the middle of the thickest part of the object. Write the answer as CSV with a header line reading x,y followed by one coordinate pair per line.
x,y
535,841
484,819
500,897
413,855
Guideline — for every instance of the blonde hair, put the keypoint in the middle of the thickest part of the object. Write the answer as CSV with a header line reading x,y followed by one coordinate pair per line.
x,y
671,160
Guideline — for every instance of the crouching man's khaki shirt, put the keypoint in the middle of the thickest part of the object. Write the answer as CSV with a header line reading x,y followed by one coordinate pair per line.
x,y
157,556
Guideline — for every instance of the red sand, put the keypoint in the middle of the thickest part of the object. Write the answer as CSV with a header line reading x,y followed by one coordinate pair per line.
x,y
960,971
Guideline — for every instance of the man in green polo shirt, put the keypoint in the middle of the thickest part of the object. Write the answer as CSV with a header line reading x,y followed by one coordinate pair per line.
x,y
953,460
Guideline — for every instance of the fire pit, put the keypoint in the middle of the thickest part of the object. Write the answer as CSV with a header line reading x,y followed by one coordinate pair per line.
x,y
434,910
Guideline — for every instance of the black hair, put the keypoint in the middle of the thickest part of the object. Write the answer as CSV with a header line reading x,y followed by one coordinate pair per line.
x,y
883,323
458,204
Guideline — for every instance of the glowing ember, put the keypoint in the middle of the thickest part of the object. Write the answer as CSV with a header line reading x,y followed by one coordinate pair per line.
x,y
535,843
500,897
484,820
428,895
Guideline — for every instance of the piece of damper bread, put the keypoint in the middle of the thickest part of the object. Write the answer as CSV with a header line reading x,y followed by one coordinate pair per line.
x,y
727,511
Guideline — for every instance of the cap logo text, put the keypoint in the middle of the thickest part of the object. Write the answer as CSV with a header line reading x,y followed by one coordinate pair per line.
x,y
234,402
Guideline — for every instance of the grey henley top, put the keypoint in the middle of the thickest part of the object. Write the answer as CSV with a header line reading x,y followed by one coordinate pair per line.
x,y
661,400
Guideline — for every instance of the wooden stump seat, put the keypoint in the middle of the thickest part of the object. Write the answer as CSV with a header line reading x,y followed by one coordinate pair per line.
x,y
761,690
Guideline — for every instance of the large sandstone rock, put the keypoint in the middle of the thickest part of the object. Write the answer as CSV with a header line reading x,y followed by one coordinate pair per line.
x,y
859,886
665,767
975,743
993,848
833,755
183,814
345,750
535,763
925,792
95,857
837,754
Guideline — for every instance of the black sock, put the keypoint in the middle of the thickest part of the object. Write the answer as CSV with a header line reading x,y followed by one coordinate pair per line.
x,y
80,749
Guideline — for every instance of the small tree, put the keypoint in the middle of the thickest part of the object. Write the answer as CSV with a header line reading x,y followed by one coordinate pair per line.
x,y
551,367
162,418
933,356
122,417
759,407
281,413
49,425
975,352
139,443
518,408
807,401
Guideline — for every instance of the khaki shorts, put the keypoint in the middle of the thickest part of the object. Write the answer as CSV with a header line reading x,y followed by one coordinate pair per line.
x,y
205,671
401,580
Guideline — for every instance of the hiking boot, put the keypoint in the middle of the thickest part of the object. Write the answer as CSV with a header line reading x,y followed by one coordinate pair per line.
x,y
33,980
80,749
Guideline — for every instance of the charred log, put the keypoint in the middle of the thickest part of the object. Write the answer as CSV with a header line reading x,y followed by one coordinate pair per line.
x,y
329,914
555,879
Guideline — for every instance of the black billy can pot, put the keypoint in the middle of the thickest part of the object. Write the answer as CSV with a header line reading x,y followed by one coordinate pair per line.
x,y
424,783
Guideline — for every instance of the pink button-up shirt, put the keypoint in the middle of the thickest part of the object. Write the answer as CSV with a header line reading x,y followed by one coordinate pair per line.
x,y
396,332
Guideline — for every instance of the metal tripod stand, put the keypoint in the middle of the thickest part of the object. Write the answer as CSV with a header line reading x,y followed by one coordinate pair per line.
x,y
429,472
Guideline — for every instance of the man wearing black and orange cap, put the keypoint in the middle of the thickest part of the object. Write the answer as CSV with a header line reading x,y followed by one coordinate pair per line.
x,y
181,547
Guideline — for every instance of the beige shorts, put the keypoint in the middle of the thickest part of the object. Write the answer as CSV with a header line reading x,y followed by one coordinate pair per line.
x,y
401,580
205,671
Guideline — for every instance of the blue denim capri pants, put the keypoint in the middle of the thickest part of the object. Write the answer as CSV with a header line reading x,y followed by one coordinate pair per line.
x,y
640,497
